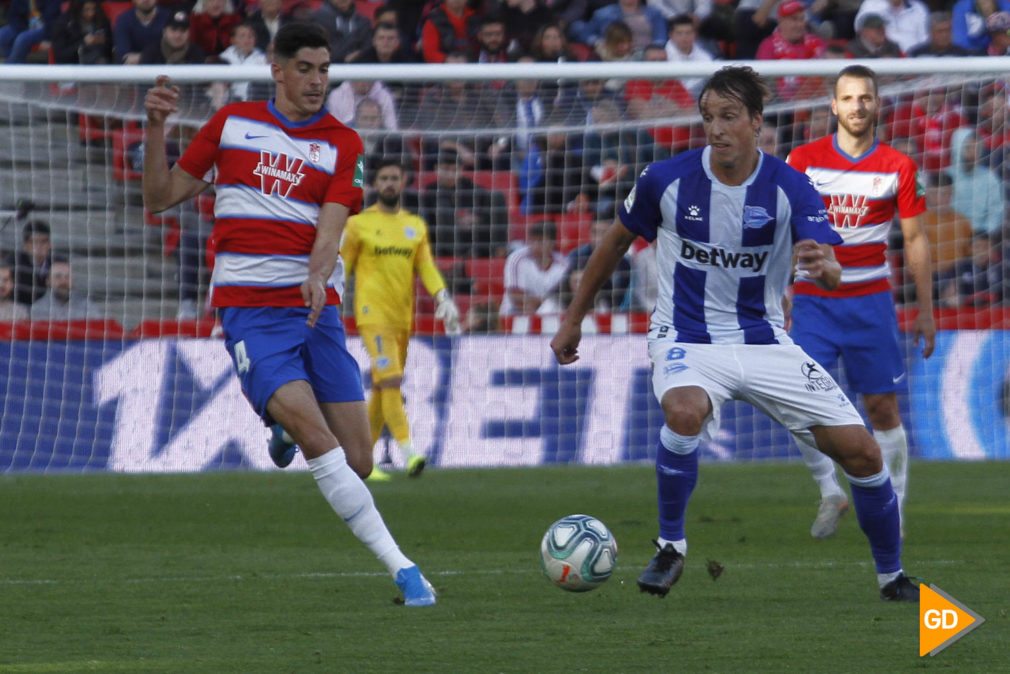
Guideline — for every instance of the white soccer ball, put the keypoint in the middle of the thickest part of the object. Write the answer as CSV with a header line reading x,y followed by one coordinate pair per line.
x,y
578,553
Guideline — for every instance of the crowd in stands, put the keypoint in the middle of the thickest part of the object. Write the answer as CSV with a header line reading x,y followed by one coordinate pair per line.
x,y
564,147
36,284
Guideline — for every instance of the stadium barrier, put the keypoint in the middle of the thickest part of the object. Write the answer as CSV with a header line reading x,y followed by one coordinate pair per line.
x,y
174,405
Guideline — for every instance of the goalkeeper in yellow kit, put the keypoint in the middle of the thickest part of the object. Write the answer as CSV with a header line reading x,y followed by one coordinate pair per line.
x,y
385,246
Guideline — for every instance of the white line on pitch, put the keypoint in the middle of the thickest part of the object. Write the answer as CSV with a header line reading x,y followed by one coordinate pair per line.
x,y
379,574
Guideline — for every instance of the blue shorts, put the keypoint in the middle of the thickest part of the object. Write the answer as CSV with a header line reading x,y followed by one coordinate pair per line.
x,y
271,346
863,331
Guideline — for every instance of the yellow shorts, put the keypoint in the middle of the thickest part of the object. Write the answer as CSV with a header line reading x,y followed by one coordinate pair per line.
x,y
387,347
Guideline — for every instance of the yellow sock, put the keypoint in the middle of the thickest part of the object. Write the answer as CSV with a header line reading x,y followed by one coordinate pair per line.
x,y
375,418
395,415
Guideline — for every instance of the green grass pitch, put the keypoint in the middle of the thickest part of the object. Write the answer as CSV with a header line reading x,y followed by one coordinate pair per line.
x,y
251,572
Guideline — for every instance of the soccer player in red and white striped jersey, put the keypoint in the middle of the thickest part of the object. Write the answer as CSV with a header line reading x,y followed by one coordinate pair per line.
x,y
287,176
864,184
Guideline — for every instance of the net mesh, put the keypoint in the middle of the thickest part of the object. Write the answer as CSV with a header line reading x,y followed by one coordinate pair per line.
x,y
126,386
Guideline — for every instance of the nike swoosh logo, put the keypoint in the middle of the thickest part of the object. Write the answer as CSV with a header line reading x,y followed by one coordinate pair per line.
x,y
249,136
671,471
895,380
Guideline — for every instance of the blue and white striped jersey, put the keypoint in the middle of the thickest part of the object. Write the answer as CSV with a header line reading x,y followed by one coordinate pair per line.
x,y
724,253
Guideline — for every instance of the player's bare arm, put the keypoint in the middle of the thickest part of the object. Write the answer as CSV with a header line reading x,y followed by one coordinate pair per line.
x,y
332,218
817,263
163,188
917,257
599,268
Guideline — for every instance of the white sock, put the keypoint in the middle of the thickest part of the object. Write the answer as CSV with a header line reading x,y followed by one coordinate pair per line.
x,y
822,468
885,578
351,500
894,448
680,546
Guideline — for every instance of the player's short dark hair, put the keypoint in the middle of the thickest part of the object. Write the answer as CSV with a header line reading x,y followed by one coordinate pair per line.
x,y
544,229
447,155
679,20
33,227
243,24
617,30
296,35
742,84
491,18
860,72
385,25
386,162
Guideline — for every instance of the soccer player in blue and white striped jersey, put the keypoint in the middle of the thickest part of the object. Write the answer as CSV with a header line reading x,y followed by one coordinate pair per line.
x,y
729,219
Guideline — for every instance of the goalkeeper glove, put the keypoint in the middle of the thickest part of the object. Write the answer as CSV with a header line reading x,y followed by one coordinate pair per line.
x,y
447,312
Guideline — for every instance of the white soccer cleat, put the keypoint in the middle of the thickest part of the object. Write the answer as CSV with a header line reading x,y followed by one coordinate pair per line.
x,y
829,512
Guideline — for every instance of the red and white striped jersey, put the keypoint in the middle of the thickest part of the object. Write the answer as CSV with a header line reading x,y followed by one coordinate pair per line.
x,y
862,196
272,177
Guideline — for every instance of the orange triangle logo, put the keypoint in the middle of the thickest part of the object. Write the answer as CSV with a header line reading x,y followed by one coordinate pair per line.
x,y
942,620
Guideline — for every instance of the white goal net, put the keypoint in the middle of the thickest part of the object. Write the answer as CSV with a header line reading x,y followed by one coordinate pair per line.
x,y
135,377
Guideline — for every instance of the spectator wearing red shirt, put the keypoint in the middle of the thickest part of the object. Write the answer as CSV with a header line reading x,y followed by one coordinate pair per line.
x,y
651,99
930,120
790,40
448,29
210,28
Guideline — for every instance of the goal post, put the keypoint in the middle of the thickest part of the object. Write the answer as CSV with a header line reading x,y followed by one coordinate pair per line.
x,y
143,383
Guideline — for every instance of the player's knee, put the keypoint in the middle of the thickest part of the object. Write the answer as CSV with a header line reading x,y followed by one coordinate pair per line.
x,y
685,410
882,412
854,449
314,442
360,464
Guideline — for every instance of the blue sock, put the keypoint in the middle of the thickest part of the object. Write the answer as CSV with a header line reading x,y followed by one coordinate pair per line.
x,y
676,475
877,511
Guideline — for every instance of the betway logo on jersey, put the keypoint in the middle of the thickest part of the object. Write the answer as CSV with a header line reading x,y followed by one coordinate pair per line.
x,y
848,210
393,250
279,173
720,257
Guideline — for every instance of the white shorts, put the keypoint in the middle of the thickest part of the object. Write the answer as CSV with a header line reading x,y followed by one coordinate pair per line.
x,y
781,380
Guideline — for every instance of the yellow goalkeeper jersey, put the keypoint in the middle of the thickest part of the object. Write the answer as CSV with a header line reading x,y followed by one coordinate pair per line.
x,y
384,250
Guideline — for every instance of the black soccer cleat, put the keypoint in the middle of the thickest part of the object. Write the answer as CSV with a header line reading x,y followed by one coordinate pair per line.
x,y
900,589
663,571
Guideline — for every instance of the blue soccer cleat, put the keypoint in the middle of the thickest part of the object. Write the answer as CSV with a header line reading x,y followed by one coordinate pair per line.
x,y
282,446
417,591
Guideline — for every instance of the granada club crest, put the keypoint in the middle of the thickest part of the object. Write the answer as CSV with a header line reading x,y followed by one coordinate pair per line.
x,y
314,153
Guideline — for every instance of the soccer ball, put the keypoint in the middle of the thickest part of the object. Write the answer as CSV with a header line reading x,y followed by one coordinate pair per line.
x,y
578,553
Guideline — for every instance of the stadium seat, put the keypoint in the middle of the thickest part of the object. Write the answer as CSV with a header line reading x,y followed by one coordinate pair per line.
x,y
488,276
366,8
114,9
573,230
503,181
581,51
122,140
173,230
